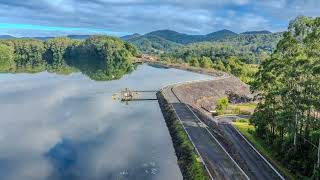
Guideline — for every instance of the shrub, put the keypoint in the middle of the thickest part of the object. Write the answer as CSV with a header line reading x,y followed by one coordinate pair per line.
x,y
222,104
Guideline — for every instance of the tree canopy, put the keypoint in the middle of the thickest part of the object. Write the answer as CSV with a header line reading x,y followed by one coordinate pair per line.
x,y
288,84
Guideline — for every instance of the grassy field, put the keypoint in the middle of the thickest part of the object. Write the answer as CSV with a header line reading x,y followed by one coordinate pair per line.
x,y
248,131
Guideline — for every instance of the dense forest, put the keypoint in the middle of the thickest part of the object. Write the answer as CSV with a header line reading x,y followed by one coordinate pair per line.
x,y
251,49
288,85
99,57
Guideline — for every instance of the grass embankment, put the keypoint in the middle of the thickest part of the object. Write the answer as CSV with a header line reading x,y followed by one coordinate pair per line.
x,y
242,109
249,132
188,159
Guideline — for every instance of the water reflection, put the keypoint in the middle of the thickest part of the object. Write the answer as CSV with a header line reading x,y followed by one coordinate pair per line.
x,y
111,71
68,127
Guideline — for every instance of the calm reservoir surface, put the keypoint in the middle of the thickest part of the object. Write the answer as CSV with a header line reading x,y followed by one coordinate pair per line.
x,y
69,127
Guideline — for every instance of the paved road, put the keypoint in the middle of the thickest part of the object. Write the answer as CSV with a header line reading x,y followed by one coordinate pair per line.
x,y
259,168
218,162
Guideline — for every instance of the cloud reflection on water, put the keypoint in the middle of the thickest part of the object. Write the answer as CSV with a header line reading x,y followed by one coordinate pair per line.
x,y
68,127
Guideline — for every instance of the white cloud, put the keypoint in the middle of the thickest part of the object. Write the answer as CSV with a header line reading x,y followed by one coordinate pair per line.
x,y
192,16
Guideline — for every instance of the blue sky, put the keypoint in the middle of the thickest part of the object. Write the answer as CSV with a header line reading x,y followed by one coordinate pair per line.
x,y
120,17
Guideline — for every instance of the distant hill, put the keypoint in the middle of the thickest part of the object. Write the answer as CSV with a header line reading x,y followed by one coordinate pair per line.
x,y
81,37
6,37
162,40
218,35
153,44
187,39
44,38
132,36
257,32
40,38
176,36
166,40
251,43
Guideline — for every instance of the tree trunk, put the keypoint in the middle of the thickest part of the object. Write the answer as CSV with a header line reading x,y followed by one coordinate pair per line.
x,y
295,130
318,162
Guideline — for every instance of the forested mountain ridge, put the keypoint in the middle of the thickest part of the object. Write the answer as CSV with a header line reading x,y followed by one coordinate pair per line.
x,y
182,38
131,36
152,44
251,43
6,37
219,35
257,32
44,38
176,37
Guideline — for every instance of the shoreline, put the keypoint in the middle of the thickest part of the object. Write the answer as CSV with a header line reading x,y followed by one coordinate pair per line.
x,y
187,156
185,67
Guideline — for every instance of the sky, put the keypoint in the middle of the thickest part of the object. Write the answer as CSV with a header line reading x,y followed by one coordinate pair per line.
x,y
122,17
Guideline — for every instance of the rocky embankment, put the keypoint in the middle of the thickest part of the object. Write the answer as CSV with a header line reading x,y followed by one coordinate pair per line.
x,y
204,95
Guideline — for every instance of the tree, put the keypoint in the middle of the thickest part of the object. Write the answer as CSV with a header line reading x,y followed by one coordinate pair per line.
x,y
56,51
288,87
222,103
205,62
6,58
218,64
194,62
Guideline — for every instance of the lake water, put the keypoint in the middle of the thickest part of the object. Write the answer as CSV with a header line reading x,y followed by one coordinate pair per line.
x,y
69,127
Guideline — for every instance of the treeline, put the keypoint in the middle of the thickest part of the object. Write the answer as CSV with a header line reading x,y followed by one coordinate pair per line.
x,y
99,57
288,115
232,64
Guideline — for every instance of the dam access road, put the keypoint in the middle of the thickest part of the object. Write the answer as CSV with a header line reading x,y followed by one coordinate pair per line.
x,y
219,163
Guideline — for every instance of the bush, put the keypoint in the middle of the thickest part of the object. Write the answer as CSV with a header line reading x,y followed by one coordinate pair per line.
x,y
222,104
